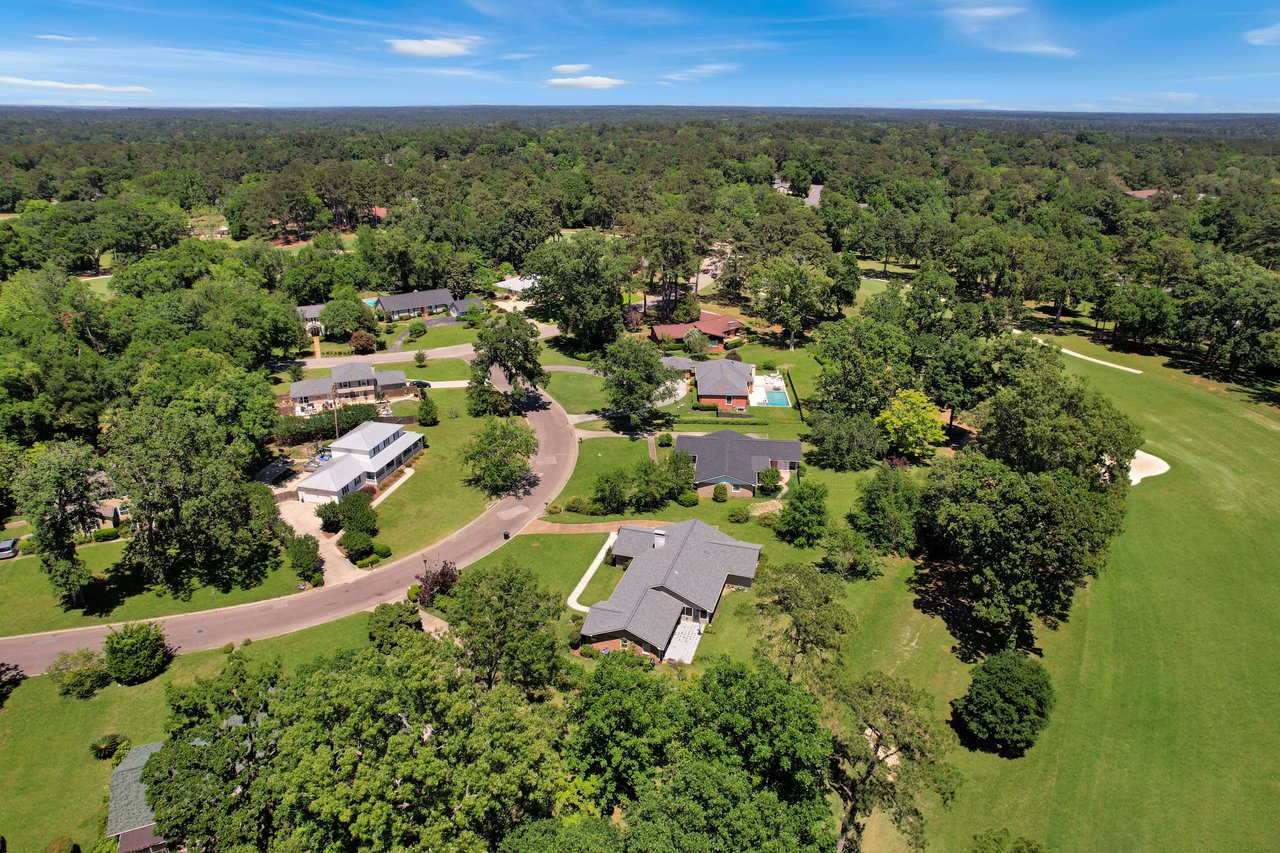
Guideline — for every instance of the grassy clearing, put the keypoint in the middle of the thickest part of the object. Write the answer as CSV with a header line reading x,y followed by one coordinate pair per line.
x,y
601,584
55,787
596,456
442,336
436,370
435,501
30,605
560,350
559,560
579,393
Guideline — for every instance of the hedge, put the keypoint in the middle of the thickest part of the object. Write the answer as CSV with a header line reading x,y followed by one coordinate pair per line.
x,y
292,429
106,534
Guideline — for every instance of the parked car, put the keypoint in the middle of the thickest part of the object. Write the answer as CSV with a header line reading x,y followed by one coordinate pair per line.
x,y
419,383
8,549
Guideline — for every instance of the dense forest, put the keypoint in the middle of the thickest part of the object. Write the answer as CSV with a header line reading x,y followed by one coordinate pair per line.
x,y
216,226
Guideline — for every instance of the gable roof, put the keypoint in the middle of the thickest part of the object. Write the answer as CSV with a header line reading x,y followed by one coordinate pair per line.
x,y
365,437
730,454
681,565
712,325
462,306
319,387
723,378
310,312
352,372
416,300
334,474
678,362
128,807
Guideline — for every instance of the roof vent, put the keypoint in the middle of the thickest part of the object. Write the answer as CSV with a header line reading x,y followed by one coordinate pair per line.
x,y
659,538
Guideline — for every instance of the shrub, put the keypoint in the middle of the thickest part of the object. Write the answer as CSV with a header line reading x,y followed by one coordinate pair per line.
x,y
665,440
389,624
358,513
363,343
27,546
412,593
420,359
770,481
734,343
582,506
106,746
704,407
554,509
1008,703
453,414
428,414
739,515
804,517
358,544
228,648
589,651
437,579
304,555
720,493
330,517
80,673
382,550
768,519
417,329
850,553
768,365
687,499
368,562
136,653
106,534
611,491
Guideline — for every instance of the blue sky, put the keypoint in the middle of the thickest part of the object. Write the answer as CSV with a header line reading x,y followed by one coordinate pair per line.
x,y
1094,55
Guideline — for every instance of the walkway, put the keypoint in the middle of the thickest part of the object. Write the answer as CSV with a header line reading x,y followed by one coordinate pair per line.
x,y
590,573
210,629
1082,356
541,525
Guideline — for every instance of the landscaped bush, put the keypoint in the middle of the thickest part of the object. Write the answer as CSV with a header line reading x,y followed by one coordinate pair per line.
x,y
389,624
704,407
417,329
739,515
582,506
358,544
575,630
106,534
554,509
412,593
358,513
428,414
589,651
382,550
420,359
734,343
368,562
304,555
770,481
27,546
106,746
720,493
768,365
362,343
768,519
687,499
665,440
136,653
80,673
330,517
437,579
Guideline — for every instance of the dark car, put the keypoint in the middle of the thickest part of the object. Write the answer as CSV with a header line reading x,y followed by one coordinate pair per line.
x,y
419,383
8,549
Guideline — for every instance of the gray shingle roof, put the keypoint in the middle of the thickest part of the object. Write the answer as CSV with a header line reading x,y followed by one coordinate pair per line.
x,y
723,378
462,306
128,807
352,372
310,312
415,301
679,362
311,387
731,454
681,565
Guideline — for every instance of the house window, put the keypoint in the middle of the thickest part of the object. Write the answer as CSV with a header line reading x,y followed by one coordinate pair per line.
x,y
728,399
624,643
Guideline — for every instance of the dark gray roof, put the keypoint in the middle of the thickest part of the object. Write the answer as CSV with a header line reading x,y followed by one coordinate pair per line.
x,y
462,306
128,807
723,378
310,312
415,301
311,387
679,362
390,378
680,565
731,454
352,372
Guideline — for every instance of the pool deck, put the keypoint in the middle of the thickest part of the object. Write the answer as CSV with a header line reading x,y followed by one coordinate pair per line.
x,y
766,385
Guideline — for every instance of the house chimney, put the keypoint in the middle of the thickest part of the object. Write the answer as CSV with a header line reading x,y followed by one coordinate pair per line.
x,y
659,539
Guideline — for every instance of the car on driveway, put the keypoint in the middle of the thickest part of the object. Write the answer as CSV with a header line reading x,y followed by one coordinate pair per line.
x,y
8,549
419,383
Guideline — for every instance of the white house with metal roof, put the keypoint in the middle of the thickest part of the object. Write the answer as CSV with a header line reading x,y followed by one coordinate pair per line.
x,y
367,454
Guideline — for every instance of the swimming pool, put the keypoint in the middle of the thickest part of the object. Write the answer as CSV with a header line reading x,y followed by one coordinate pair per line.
x,y
777,398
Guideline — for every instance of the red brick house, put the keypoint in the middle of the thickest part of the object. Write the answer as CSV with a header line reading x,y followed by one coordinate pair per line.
x,y
724,382
718,328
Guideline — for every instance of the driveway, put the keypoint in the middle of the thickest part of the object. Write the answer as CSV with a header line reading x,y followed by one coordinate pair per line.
x,y
210,629
302,518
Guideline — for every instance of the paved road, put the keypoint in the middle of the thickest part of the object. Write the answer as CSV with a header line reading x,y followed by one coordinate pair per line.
x,y
209,629
388,357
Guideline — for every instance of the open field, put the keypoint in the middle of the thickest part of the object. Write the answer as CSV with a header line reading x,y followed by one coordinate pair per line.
x,y
30,604
1163,737
579,393
53,785
434,501
596,456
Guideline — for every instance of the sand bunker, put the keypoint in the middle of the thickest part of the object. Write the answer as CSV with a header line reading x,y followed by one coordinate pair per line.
x,y
1145,465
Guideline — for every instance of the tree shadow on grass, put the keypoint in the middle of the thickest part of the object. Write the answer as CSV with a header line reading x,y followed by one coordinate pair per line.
x,y
973,743
104,593
11,675
942,589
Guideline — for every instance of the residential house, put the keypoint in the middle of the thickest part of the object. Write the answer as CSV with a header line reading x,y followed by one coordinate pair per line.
x,y
367,454
310,316
674,580
111,512
460,307
420,303
348,383
736,460
517,284
718,328
680,364
725,382
129,818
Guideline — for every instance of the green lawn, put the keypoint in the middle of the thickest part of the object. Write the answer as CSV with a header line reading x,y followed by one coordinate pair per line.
x,y
601,585
1163,737
30,605
560,350
436,370
558,559
435,501
579,393
442,336
53,785
595,456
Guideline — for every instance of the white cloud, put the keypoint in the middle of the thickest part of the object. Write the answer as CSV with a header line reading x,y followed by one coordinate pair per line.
x,y
513,56
585,82
698,72
1264,36
1043,48
469,73
56,37
974,19
570,69
436,48
79,87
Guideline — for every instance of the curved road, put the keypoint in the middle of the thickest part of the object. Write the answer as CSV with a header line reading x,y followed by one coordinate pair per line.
x,y
210,629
